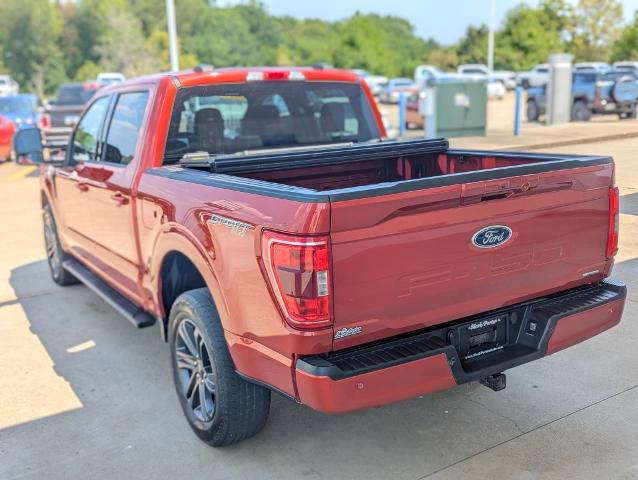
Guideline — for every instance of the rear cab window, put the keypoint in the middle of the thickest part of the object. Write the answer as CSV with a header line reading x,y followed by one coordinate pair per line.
x,y
234,118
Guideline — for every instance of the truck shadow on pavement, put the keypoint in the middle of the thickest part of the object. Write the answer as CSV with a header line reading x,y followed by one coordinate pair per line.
x,y
629,204
130,418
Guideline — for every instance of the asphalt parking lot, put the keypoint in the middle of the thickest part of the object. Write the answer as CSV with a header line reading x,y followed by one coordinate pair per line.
x,y
84,395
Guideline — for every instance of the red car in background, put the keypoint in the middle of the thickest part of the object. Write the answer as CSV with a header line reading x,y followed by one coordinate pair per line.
x,y
7,130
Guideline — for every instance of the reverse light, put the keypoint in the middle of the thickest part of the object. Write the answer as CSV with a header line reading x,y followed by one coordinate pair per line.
x,y
298,271
614,222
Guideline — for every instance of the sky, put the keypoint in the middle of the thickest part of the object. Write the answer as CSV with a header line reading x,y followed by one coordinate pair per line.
x,y
444,20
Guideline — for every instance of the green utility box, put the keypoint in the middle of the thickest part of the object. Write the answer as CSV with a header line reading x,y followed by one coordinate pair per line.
x,y
461,108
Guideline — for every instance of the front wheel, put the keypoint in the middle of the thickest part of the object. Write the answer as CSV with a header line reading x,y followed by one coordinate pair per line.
x,y
580,112
533,112
221,407
631,113
55,254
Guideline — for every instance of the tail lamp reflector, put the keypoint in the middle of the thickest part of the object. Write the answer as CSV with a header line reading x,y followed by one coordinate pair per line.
x,y
614,211
298,271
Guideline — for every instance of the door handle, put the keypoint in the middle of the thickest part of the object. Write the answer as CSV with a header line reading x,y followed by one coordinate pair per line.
x,y
119,199
82,186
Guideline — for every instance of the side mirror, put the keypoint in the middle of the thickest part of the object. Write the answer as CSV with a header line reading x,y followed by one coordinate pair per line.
x,y
28,142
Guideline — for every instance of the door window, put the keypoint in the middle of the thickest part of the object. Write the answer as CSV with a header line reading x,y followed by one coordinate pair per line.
x,y
121,140
85,139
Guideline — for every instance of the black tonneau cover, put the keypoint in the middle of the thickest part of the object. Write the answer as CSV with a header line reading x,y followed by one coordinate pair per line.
x,y
313,156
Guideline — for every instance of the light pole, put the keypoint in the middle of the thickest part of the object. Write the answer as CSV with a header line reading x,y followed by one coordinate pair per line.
x,y
172,34
490,37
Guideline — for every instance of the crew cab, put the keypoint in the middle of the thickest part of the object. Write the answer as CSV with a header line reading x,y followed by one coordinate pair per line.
x,y
261,220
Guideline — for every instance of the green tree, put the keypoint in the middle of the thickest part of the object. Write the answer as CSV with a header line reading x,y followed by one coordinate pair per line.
x,y
530,35
123,47
472,48
305,42
381,44
444,58
30,32
626,45
218,36
87,71
597,26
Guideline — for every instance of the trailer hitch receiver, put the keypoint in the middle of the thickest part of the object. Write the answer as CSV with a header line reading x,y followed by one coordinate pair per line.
x,y
496,382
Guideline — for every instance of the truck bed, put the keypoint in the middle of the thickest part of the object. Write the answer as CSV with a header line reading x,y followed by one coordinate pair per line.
x,y
403,216
359,171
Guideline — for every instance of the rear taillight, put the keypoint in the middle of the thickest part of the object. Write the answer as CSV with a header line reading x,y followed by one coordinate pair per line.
x,y
44,122
298,270
614,211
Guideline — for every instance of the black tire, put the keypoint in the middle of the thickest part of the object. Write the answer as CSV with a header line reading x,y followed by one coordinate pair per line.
x,y
533,112
580,112
56,256
221,407
525,84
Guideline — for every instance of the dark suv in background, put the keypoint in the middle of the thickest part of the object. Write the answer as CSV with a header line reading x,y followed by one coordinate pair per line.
x,y
64,111
593,93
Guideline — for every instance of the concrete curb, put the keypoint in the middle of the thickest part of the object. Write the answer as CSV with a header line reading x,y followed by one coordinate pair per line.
x,y
574,141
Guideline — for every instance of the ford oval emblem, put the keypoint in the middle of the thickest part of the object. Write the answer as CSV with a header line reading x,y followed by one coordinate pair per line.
x,y
492,236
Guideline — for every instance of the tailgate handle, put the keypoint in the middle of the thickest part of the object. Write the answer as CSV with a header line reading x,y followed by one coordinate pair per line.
x,y
499,192
496,196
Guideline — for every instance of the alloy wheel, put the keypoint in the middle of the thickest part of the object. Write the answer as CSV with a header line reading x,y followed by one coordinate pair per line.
x,y
195,370
51,243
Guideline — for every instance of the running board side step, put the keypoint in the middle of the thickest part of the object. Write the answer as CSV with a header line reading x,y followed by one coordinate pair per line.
x,y
134,314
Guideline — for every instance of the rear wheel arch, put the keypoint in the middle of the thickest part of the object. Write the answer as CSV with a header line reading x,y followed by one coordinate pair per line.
x,y
181,266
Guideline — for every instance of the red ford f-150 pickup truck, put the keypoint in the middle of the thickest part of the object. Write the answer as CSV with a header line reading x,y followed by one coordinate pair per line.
x,y
259,217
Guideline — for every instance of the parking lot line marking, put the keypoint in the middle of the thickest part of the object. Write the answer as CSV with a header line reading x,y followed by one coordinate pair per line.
x,y
22,173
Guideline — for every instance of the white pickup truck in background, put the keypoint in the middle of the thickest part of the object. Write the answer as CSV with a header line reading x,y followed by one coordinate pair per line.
x,y
427,74
536,77
479,71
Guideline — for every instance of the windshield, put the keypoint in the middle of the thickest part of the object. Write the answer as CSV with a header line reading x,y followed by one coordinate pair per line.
x,y
231,118
23,105
74,95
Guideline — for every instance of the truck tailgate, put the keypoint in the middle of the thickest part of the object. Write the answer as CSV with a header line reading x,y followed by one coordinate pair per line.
x,y
407,261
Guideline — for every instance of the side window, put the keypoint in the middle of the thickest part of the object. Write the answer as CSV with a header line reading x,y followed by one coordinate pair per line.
x,y
124,129
86,134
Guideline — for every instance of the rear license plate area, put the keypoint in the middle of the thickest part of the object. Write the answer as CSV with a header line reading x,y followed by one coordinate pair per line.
x,y
482,337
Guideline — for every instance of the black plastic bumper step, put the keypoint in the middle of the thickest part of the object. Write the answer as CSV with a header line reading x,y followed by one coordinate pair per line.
x,y
134,314
524,335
